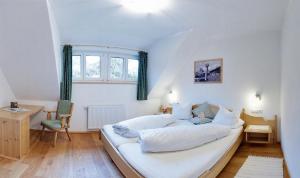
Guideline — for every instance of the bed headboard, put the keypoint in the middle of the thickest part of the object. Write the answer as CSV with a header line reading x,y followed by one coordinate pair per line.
x,y
260,121
213,107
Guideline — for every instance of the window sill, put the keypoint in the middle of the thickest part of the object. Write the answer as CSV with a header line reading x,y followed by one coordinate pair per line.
x,y
103,82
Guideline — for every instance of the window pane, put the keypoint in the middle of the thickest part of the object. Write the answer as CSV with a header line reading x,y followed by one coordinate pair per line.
x,y
76,67
116,68
92,67
133,66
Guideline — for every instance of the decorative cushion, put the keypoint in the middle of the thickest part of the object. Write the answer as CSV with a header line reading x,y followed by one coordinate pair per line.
x,y
208,110
225,117
180,111
198,121
53,124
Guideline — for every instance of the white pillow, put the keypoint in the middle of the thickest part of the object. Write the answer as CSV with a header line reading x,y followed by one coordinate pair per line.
x,y
238,124
225,117
180,111
148,122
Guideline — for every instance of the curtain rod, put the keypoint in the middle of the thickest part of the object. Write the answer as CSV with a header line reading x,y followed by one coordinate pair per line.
x,y
102,46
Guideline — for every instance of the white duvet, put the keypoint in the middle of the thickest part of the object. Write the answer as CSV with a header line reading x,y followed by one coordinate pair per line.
x,y
181,137
118,140
178,164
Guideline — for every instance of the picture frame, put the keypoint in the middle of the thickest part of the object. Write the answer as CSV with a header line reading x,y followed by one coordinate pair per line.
x,y
208,71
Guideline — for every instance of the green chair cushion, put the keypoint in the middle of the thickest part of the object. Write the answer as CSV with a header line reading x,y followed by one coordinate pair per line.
x,y
53,124
64,107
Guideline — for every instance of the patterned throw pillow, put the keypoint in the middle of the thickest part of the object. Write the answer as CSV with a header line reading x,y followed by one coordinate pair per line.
x,y
199,121
206,109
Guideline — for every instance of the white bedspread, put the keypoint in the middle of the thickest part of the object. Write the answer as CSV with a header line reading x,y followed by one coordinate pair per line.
x,y
148,122
181,164
118,140
181,137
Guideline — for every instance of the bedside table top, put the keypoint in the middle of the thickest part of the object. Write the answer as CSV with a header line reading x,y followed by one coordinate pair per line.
x,y
258,129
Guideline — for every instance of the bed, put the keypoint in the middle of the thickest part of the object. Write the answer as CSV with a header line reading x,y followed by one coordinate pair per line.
x,y
205,161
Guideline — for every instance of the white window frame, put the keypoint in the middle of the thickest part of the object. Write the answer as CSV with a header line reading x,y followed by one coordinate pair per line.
x,y
132,58
101,78
104,67
109,71
81,67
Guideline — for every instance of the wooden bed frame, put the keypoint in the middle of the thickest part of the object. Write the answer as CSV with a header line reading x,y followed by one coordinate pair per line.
x,y
129,172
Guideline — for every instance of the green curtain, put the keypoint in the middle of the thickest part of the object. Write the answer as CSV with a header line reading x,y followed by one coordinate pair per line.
x,y
66,82
142,84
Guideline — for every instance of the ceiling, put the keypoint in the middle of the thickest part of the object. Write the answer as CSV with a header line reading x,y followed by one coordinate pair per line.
x,y
106,22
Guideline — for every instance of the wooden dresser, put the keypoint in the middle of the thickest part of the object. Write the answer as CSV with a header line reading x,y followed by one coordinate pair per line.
x,y
15,132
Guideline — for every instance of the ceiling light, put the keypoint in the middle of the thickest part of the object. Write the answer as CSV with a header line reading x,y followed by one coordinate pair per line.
x,y
145,6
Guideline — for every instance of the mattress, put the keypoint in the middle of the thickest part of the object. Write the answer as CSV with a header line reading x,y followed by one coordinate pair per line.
x,y
182,164
118,140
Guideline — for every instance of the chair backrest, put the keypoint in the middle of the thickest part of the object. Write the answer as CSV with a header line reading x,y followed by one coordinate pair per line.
x,y
65,107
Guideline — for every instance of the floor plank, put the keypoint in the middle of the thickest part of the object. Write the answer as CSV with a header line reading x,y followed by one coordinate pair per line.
x,y
85,157
244,151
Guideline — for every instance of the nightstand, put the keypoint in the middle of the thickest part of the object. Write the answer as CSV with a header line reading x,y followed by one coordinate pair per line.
x,y
258,134
166,110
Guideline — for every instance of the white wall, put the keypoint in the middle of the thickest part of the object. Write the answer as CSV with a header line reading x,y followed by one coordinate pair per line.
x,y
35,122
290,88
28,59
55,39
162,66
84,95
251,63
108,94
6,94
98,94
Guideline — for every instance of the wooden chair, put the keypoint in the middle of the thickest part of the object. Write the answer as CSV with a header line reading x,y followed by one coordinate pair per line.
x,y
61,121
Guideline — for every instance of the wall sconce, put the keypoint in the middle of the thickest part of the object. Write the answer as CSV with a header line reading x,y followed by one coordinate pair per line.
x,y
257,104
172,96
258,96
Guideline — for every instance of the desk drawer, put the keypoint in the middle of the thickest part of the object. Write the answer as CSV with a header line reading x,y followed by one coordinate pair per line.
x,y
10,138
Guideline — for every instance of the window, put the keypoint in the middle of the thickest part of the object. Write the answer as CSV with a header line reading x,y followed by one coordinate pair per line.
x,y
104,67
132,69
92,67
76,67
116,68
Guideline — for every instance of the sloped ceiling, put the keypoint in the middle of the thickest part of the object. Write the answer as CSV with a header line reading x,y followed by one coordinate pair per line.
x,y
107,22
30,43
27,56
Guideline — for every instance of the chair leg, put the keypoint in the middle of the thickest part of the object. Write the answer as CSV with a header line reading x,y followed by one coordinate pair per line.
x,y
68,134
55,138
43,132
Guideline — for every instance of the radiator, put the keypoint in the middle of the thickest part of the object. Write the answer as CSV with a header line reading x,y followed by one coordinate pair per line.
x,y
100,115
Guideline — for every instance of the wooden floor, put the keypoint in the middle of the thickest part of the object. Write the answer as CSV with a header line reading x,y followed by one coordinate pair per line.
x,y
244,151
85,157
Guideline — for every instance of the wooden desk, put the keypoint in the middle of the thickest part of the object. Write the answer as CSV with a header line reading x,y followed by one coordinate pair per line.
x,y
15,131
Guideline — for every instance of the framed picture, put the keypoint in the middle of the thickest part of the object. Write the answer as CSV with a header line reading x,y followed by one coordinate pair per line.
x,y
208,71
